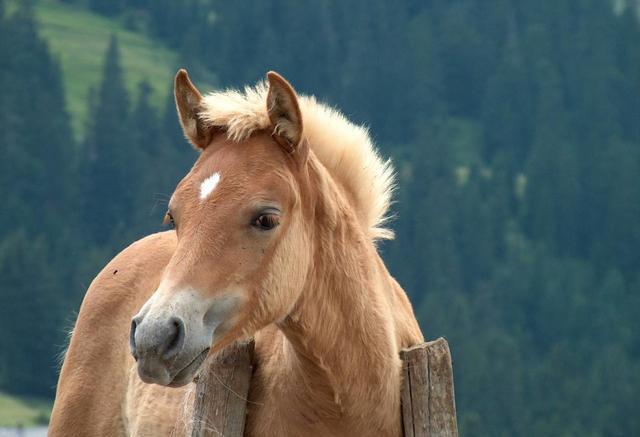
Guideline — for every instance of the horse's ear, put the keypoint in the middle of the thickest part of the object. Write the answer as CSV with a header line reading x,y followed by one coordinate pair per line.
x,y
189,104
284,112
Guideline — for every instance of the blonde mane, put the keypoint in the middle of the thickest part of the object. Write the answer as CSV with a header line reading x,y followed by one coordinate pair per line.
x,y
345,149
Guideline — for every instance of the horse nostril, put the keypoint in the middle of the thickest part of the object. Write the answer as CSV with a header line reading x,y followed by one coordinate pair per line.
x,y
175,339
132,339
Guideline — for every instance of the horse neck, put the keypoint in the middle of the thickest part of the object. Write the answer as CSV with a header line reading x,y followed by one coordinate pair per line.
x,y
341,334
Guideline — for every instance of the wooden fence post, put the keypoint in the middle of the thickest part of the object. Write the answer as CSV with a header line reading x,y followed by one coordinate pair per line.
x,y
222,389
428,402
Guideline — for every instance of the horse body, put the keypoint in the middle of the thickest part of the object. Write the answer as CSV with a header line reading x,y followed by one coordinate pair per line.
x,y
275,238
96,393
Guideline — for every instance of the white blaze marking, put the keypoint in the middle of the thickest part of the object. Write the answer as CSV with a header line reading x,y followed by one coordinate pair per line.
x,y
208,185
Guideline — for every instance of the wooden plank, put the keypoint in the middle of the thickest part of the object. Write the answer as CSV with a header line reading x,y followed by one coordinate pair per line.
x,y
428,401
220,404
405,399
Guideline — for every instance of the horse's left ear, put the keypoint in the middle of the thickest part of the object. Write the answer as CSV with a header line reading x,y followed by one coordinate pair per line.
x,y
284,113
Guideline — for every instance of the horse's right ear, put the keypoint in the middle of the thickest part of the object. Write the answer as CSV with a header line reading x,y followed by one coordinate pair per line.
x,y
189,104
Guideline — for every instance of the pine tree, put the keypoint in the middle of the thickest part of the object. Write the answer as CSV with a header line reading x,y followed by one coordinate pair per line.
x,y
30,315
427,214
34,125
145,146
110,165
507,107
426,99
553,186
628,62
107,7
467,58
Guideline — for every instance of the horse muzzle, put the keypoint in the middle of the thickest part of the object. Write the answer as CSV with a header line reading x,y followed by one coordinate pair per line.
x,y
171,335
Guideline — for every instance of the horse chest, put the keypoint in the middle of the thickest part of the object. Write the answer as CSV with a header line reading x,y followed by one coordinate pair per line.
x,y
283,402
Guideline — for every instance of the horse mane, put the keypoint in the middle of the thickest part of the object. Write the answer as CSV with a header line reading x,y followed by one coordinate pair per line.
x,y
344,149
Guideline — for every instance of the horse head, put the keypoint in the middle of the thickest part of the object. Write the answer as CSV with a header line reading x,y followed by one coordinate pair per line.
x,y
242,222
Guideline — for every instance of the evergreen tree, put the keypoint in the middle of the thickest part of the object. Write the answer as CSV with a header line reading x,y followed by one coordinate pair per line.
x,y
554,169
628,62
110,159
428,217
507,107
618,245
107,7
30,315
466,58
426,98
145,146
34,124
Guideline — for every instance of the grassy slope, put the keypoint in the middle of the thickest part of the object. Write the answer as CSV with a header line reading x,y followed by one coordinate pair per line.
x,y
25,412
79,38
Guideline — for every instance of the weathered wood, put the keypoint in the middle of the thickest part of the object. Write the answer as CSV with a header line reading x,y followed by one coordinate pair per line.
x,y
220,403
428,403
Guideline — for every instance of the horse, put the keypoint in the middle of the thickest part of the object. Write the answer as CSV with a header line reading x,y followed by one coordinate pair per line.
x,y
275,233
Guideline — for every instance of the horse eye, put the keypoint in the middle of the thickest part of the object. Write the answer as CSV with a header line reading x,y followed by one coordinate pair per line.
x,y
267,222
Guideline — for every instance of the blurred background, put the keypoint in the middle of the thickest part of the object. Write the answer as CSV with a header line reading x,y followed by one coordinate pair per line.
x,y
515,131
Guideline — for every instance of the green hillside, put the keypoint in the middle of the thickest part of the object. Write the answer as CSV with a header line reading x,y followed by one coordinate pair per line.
x,y
16,411
79,38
